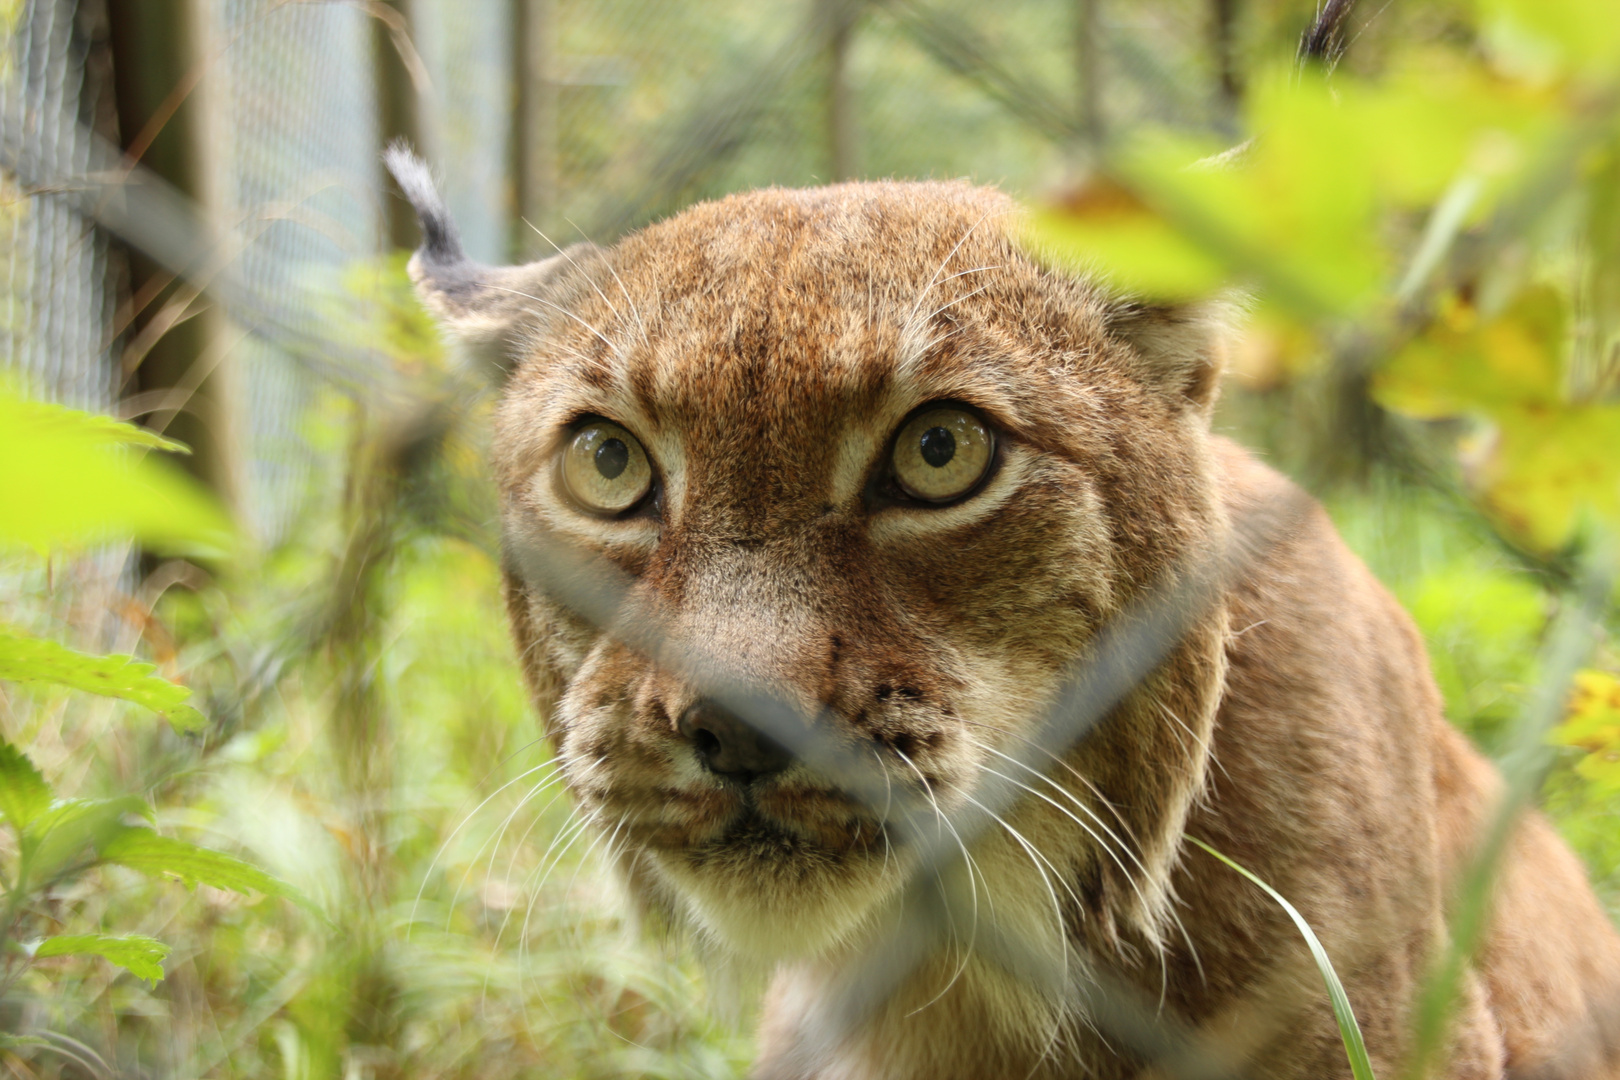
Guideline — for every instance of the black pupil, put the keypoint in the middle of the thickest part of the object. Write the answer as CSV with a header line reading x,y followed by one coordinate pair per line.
x,y
611,458
938,446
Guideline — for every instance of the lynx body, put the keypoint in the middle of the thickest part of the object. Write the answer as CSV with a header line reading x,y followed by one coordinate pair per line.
x,y
740,408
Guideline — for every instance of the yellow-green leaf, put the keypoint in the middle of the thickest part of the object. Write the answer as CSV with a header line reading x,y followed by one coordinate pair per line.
x,y
1466,364
1552,465
1103,228
29,659
1593,725
140,956
1584,35
24,794
70,480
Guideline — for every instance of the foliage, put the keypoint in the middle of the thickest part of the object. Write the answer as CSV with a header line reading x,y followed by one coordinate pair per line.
x,y
55,841
84,483
1594,727
1389,219
29,659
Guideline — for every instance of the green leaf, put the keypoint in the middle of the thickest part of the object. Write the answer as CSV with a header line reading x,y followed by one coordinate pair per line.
x,y
140,956
72,827
144,850
24,794
86,479
31,659
1349,1031
103,428
1105,228
1584,33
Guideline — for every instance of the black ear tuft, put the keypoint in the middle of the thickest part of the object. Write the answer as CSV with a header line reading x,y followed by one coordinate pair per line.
x,y
441,241
493,313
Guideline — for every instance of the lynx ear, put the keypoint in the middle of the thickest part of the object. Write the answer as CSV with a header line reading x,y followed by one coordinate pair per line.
x,y
494,312
1180,348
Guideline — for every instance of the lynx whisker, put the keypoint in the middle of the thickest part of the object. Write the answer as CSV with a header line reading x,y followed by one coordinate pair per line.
x,y
575,264
444,845
1037,859
888,805
1128,842
970,294
523,839
559,847
1129,849
973,872
916,304
603,338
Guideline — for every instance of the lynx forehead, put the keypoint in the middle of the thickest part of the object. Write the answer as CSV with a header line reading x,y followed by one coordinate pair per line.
x,y
859,447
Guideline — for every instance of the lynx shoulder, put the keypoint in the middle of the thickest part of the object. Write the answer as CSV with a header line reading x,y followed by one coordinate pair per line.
x,y
842,483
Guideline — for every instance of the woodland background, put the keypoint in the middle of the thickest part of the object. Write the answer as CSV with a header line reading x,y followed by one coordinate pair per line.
x,y
271,800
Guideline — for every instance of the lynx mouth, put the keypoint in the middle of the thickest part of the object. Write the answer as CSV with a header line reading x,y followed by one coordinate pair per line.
x,y
758,835
770,888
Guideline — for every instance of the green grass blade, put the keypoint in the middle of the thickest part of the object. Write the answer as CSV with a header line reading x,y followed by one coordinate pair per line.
x,y
1349,1031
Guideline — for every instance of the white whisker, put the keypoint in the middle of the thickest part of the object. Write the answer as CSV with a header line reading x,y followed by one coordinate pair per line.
x,y
444,845
973,887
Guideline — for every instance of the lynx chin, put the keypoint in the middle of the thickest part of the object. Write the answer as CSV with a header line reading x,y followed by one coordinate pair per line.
x,y
864,451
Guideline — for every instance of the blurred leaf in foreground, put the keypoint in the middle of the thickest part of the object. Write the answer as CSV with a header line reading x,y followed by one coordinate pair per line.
x,y
140,956
1548,459
1468,363
29,659
1101,226
154,855
24,794
1593,725
1552,466
73,479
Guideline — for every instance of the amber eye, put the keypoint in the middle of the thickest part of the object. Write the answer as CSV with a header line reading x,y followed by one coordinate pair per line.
x,y
941,453
604,468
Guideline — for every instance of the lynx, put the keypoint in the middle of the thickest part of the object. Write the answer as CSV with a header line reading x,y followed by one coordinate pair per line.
x,y
862,449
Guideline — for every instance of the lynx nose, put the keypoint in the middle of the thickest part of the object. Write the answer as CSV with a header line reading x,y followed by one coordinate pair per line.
x,y
729,746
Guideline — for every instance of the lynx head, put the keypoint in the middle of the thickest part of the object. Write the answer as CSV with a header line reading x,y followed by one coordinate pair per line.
x,y
860,450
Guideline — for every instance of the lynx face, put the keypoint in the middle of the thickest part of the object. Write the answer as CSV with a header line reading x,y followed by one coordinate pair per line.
x,y
858,447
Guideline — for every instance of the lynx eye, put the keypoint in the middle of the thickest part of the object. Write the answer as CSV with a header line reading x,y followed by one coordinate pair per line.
x,y
941,454
604,468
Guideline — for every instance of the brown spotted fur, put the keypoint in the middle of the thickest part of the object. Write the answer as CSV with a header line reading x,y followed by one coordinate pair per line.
x,y
763,348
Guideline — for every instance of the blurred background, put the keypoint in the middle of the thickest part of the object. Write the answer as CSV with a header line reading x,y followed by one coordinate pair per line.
x,y
1419,204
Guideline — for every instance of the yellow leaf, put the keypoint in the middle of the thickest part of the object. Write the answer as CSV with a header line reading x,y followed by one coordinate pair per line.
x,y
1593,725
1550,466
1463,364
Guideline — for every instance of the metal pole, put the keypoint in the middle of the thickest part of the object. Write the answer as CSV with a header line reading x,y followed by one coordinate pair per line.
x,y
399,113
166,92
840,112
1089,40
534,131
